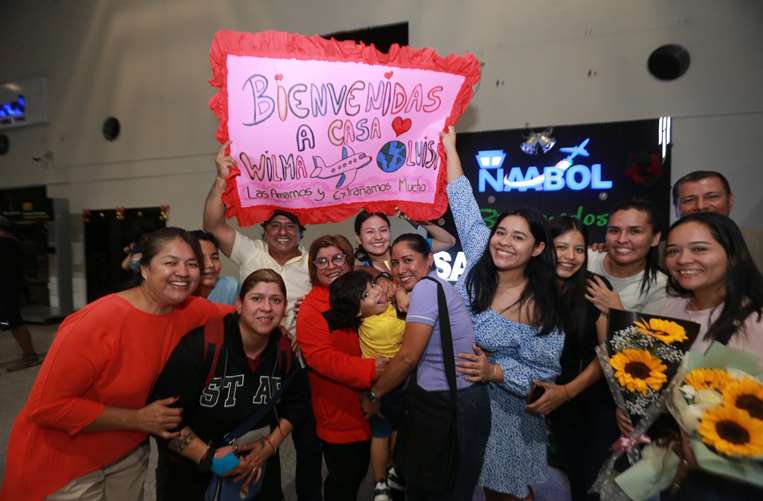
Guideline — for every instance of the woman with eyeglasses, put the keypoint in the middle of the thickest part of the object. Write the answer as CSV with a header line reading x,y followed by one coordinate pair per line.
x,y
337,372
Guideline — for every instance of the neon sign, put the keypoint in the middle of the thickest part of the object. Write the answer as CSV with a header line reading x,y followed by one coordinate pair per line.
x,y
564,174
13,109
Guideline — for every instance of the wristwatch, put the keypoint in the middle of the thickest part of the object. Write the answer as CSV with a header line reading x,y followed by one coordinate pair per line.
x,y
372,395
205,463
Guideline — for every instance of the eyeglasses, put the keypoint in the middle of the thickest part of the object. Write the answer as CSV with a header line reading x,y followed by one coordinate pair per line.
x,y
323,262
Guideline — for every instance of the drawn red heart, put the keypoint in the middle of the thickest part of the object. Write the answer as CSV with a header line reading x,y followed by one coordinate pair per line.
x,y
388,75
401,125
279,77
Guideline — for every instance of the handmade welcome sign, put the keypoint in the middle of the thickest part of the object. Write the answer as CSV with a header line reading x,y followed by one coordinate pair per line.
x,y
323,128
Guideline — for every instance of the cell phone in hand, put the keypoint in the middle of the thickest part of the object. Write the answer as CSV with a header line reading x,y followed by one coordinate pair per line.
x,y
535,393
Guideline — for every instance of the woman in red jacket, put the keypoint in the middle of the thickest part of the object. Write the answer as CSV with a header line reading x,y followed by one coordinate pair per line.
x,y
82,432
337,373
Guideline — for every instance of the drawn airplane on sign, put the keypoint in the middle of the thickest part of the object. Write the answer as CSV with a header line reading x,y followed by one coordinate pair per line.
x,y
346,168
574,151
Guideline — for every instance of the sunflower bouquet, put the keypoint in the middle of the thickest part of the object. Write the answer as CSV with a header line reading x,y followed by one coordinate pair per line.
x,y
717,399
640,356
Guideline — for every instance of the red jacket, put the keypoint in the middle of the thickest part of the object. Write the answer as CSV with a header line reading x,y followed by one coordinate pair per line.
x,y
337,372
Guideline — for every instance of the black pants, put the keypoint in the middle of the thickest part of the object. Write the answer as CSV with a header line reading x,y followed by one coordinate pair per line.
x,y
308,446
347,465
583,431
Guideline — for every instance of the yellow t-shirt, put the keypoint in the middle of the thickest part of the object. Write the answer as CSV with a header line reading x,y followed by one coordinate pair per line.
x,y
381,335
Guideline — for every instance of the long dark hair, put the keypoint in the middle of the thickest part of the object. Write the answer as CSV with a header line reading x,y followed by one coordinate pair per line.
x,y
572,290
345,295
744,283
360,253
652,267
482,280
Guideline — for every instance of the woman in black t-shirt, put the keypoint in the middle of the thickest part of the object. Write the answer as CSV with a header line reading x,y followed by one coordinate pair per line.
x,y
579,405
219,387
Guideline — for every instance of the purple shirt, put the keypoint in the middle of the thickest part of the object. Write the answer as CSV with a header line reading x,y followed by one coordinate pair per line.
x,y
430,371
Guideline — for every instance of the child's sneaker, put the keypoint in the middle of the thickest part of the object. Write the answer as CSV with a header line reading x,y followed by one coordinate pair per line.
x,y
395,481
382,491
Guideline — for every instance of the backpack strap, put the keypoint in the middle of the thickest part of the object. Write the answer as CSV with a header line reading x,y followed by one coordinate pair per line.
x,y
214,335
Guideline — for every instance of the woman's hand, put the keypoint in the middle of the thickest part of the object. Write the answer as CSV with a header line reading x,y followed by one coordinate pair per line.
x,y
369,408
686,452
475,367
380,364
553,396
623,422
158,418
402,299
259,452
224,162
449,139
601,296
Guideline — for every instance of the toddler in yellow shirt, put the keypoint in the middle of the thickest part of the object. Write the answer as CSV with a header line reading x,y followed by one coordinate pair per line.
x,y
358,298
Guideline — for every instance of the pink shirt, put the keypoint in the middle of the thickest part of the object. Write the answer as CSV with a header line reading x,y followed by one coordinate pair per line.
x,y
749,339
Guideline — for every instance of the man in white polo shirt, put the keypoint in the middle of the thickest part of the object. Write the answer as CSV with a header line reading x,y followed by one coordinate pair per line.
x,y
281,251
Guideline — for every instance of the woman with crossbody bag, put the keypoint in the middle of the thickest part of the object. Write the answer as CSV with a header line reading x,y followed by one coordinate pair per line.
x,y
242,391
446,419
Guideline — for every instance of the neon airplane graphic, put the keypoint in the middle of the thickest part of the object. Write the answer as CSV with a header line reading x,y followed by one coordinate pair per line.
x,y
572,151
346,168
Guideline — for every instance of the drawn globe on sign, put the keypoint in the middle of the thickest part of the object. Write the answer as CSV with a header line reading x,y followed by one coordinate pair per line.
x,y
391,156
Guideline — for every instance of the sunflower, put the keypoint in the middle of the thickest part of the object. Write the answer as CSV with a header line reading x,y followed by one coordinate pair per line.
x,y
638,370
745,394
665,330
732,432
710,379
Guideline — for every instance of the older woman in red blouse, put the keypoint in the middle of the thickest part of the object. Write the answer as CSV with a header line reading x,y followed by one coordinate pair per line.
x,y
82,432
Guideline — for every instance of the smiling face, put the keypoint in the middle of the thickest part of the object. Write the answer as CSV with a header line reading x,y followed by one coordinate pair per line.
x,y
262,308
704,195
281,235
172,275
373,301
695,259
330,263
409,266
210,272
513,245
374,236
630,236
570,252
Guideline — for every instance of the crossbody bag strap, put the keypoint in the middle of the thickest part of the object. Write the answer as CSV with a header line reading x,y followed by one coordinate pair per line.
x,y
254,418
446,338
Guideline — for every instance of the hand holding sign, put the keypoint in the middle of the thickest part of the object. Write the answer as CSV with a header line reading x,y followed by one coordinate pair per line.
x,y
323,128
224,162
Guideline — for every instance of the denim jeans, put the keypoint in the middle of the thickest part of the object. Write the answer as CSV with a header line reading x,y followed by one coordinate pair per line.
x,y
473,429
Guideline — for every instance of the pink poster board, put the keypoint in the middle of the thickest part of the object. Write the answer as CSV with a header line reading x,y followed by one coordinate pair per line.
x,y
324,128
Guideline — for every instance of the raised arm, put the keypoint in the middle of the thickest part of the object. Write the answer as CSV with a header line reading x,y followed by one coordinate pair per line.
x,y
472,230
454,163
442,240
214,209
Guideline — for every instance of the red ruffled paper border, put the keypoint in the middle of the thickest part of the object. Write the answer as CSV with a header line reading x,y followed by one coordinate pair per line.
x,y
295,46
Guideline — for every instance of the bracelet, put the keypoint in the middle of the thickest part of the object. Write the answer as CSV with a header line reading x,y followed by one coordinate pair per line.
x,y
496,376
181,442
205,463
